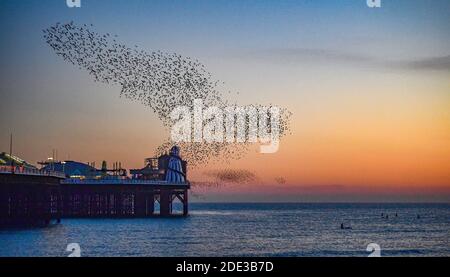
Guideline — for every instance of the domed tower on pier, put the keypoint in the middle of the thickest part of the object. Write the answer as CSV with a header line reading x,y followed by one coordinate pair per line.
x,y
174,172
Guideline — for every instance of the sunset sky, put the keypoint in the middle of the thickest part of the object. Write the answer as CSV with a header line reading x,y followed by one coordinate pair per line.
x,y
369,91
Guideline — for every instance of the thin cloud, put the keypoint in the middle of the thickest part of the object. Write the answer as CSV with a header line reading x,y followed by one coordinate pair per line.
x,y
307,55
438,63
234,176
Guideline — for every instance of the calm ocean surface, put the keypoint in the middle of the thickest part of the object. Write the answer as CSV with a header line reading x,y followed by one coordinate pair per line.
x,y
249,230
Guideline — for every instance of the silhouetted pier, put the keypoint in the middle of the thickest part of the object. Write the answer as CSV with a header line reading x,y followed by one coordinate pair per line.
x,y
29,197
40,199
36,197
122,198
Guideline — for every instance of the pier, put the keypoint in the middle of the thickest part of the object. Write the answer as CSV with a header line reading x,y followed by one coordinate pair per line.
x,y
70,189
29,197
122,198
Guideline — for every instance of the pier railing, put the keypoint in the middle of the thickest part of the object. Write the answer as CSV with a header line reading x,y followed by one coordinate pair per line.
x,y
120,182
19,170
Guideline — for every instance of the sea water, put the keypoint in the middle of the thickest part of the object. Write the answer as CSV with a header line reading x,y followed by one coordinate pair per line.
x,y
248,229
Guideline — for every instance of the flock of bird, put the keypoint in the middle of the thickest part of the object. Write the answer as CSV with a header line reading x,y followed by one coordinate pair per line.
x,y
156,79
280,180
220,178
238,176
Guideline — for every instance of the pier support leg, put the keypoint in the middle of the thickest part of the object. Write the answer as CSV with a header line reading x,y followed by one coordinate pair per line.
x,y
164,202
118,204
185,203
150,202
140,205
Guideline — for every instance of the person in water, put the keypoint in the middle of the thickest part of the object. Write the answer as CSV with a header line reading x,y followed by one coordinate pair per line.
x,y
345,228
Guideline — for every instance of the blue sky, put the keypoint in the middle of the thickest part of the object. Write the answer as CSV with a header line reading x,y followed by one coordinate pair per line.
x,y
245,24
